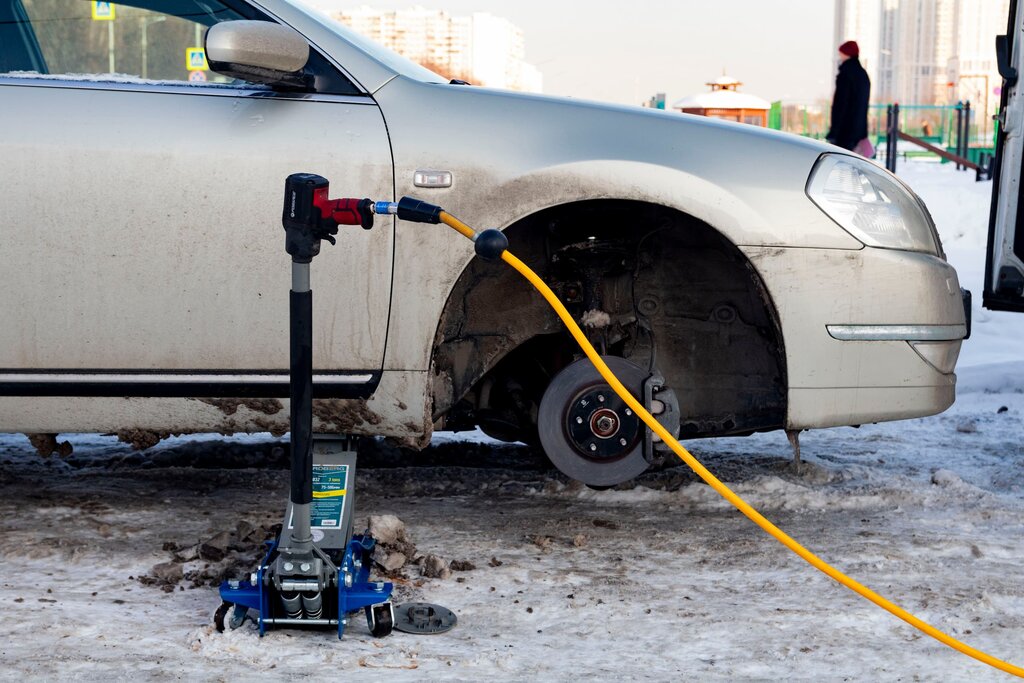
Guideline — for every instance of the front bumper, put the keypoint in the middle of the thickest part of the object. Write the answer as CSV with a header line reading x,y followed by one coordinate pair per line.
x,y
870,335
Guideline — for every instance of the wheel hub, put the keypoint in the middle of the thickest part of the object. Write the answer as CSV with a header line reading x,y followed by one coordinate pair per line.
x,y
599,424
604,423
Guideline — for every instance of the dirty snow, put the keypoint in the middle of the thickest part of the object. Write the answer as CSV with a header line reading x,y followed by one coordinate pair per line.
x,y
658,580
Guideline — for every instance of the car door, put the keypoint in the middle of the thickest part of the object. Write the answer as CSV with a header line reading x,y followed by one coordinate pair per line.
x,y
141,219
1004,264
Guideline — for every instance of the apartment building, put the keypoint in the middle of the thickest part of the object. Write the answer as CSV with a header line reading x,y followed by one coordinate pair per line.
x,y
479,48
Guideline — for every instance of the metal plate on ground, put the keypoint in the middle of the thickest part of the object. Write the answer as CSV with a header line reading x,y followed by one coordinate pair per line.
x,y
423,618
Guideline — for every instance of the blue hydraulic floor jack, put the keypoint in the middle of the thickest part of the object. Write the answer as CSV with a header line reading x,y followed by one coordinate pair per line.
x,y
317,573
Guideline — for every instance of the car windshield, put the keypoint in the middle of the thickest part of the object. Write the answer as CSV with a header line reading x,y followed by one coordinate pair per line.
x,y
388,58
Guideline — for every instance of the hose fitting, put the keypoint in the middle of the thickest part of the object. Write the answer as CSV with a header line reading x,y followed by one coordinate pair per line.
x,y
417,211
490,244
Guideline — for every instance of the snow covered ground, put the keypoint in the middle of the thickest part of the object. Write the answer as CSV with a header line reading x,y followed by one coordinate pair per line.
x,y
657,580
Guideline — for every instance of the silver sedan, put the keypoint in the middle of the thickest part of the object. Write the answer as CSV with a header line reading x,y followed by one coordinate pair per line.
x,y
742,280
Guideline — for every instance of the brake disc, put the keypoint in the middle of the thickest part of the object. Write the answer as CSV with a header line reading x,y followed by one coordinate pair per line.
x,y
587,431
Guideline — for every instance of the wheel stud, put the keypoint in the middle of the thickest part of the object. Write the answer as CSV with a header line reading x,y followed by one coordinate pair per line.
x,y
579,420
622,442
593,446
628,411
600,398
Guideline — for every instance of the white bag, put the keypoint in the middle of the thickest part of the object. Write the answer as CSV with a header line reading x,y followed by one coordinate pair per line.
x,y
865,148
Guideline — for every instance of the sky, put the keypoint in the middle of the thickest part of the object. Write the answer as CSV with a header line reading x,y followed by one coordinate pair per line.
x,y
625,52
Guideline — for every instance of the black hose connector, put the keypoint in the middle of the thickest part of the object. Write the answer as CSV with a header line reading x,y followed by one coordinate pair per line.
x,y
418,211
490,244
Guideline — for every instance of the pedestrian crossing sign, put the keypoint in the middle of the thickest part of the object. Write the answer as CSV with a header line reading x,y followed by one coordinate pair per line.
x,y
195,59
102,11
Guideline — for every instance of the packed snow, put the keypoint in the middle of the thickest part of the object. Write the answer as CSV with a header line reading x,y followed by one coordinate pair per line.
x,y
659,579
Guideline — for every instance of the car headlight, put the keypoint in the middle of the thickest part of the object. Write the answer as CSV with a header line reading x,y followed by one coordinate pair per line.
x,y
871,205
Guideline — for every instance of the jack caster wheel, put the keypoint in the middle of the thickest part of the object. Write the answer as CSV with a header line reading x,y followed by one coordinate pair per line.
x,y
380,619
587,431
229,615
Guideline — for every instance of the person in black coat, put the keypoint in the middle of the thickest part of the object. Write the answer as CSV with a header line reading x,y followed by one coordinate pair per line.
x,y
850,102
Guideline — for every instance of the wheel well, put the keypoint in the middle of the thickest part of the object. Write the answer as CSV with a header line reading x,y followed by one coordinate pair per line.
x,y
662,283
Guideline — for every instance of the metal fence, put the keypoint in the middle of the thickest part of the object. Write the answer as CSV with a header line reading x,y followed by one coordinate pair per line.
x,y
954,127
900,142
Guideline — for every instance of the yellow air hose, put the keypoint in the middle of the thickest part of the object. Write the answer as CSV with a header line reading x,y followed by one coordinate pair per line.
x,y
713,481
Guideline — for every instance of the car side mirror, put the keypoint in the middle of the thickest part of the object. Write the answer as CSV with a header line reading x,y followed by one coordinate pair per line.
x,y
261,52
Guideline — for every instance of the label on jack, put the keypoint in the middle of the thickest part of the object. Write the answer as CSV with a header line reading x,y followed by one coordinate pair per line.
x,y
330,486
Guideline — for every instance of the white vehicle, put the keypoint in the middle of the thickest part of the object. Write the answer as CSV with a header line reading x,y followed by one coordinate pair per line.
x,y
1004,268
748,280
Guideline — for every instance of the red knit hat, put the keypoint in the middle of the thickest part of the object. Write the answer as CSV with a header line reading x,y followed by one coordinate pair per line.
x,y
850,48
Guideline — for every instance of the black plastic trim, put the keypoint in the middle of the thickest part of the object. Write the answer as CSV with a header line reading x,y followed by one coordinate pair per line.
x,y
965,295
1008,73
143,388
994,302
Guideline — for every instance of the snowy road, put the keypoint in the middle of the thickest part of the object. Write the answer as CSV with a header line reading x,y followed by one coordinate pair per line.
x,y
657,580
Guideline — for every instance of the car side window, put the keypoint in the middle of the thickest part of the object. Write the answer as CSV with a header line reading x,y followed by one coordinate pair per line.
x,y
148,41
